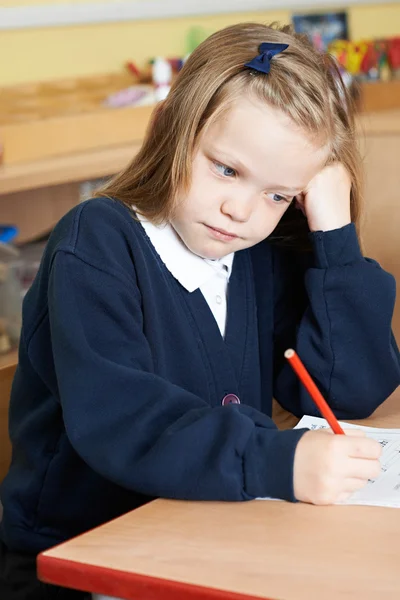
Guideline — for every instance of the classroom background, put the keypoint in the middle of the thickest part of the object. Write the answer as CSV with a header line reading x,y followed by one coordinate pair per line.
x,y
79,80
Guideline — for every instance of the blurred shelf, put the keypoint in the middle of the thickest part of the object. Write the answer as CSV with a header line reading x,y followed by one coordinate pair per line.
x,y
385,122
8,360
380,95
62,169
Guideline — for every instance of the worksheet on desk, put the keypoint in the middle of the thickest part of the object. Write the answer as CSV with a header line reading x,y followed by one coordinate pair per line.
x,y
385,490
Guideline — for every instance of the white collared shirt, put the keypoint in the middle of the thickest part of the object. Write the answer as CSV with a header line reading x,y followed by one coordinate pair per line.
x,y
192,271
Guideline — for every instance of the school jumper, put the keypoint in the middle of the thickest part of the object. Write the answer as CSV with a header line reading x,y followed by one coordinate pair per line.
x,y
119,392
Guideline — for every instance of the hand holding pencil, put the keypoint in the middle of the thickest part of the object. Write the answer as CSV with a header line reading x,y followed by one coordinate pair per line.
x,y
329,468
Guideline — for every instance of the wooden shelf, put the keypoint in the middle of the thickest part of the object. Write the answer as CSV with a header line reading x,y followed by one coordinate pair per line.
x,y
383,123
9,359
62,169
380,95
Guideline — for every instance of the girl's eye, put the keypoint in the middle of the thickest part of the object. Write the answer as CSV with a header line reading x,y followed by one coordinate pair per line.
x,y
278,198
224,170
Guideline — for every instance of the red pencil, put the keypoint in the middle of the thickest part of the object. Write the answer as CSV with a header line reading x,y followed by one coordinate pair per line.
x,y
312,389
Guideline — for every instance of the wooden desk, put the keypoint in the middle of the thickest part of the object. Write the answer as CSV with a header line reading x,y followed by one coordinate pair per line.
x,y
170,550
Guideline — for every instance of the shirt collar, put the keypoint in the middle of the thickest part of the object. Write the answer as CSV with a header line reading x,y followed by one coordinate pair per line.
x,y
190,270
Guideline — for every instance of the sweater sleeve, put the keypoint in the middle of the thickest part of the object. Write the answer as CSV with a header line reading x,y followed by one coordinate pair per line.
x,y
134,427
337,314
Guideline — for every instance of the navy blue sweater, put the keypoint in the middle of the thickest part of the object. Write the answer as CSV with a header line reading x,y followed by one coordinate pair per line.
x,y
117,395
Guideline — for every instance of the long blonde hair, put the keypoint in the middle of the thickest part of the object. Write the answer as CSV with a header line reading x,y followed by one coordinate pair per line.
x,y
303,83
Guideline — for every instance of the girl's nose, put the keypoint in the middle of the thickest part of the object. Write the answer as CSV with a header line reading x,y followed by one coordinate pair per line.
x,y
238,207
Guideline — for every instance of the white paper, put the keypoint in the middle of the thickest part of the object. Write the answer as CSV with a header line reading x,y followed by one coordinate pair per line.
x,y
385,489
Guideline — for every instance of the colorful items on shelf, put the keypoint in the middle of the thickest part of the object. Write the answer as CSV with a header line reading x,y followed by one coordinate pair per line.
x,y
145,75
162,77
154,82
135,95
7,233
7,254
18,267
369,59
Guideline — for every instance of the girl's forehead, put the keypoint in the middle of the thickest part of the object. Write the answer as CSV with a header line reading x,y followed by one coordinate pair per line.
x,y
261,137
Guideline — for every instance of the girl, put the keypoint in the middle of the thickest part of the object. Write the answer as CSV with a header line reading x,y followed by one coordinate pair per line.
x,y
154,333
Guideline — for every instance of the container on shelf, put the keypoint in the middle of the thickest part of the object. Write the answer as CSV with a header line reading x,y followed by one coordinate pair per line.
x,y
17,272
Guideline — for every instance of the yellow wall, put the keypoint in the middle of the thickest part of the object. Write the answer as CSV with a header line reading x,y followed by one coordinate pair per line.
x,y
42,54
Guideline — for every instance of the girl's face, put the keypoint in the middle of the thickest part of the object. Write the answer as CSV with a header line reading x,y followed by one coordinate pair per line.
x,y
248,167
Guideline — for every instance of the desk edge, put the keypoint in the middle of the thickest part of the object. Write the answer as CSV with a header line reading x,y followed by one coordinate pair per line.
x,y
107,581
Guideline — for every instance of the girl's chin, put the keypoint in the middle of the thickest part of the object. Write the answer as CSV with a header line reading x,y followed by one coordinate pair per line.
x,y
210,249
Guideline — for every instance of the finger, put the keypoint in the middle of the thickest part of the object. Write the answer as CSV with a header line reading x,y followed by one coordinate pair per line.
x,y
352,484
363,469
343,496
363,447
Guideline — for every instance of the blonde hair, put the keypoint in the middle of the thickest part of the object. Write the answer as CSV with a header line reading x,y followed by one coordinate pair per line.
x,y
303,83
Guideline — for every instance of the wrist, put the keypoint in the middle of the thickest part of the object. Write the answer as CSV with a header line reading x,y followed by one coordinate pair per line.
x,y
328,222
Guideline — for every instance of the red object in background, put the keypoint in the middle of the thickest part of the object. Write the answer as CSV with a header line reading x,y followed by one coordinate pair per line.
x,y
394,53
370,59
132,68
176,64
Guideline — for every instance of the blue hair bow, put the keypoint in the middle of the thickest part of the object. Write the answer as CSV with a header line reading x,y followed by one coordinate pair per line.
x,y
267,50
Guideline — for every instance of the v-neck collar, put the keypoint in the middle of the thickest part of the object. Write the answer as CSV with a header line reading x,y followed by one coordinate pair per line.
x,y
226,354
